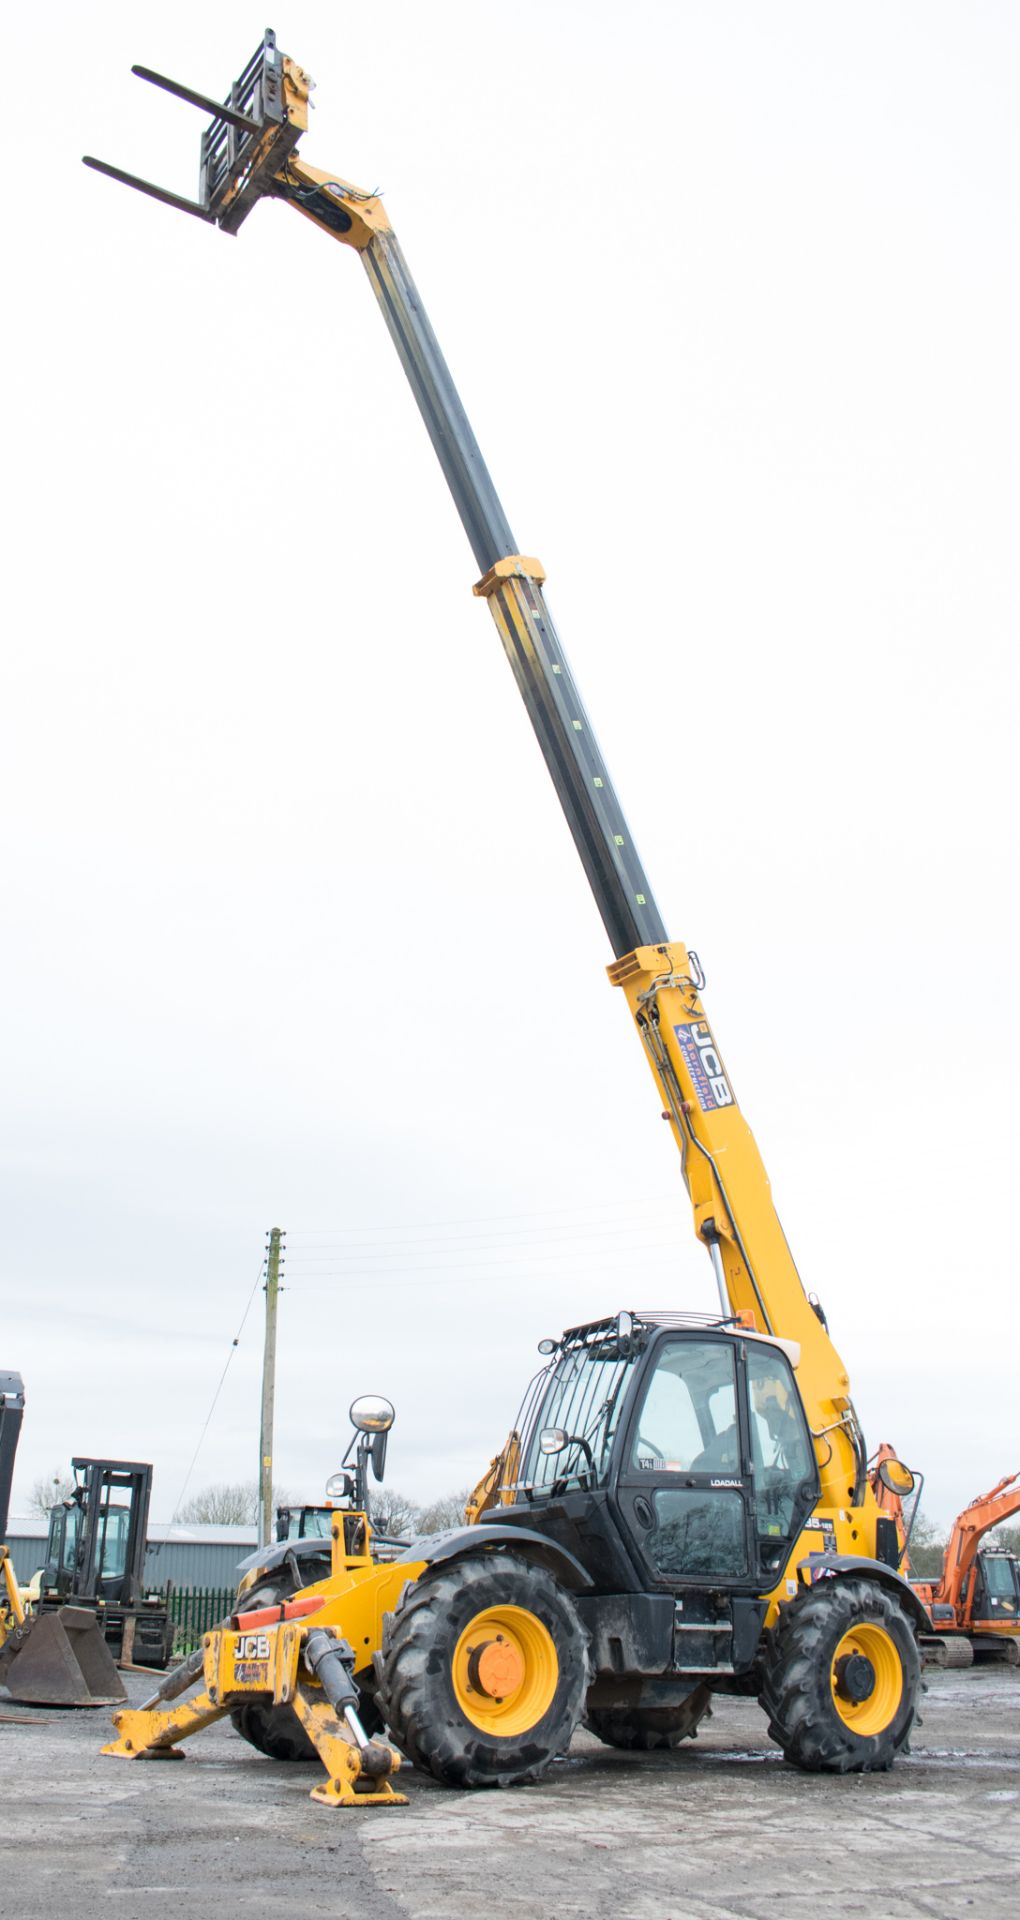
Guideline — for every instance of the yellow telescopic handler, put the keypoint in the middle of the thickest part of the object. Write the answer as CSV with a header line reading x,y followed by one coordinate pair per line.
x,y
682,1507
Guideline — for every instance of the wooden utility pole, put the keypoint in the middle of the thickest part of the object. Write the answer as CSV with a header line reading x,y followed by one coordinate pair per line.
x,y
273,1261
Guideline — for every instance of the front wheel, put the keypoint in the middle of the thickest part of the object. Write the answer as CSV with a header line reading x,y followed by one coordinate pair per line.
x,y
483,1671
842,1673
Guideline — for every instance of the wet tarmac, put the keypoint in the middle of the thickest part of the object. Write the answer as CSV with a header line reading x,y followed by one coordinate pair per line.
x,y
723,1830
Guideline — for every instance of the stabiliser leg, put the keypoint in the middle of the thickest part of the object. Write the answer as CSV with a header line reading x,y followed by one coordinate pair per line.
x,y
311,1672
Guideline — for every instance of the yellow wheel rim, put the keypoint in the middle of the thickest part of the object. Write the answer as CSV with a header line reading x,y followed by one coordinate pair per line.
x,y
867,1680
505,1671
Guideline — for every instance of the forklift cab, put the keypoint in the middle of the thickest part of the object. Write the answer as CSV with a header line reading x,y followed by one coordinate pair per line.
x,y
96,1545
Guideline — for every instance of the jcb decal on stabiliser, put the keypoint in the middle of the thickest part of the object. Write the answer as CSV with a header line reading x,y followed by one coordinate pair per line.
x,y
704,1065
251,1646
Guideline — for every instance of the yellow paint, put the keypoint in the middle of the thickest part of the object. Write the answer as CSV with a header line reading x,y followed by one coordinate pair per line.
x,y
513,567
729,1187
367,213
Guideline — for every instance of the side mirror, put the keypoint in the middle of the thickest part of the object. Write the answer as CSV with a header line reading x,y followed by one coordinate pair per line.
x,y
553,1440
377,1454
894,1475
372,1414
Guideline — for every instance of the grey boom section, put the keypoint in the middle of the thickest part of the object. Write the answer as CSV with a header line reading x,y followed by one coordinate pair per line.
x,y
569,747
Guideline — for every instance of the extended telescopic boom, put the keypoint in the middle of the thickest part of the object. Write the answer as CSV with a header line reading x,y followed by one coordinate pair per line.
x,y
249,152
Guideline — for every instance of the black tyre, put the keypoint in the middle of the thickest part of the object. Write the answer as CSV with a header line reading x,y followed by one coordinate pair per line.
x,y
483,1671
842,1675
276,1731
649,1729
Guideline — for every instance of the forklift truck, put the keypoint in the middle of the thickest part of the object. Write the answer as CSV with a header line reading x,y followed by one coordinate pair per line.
x,y
95,1555
51,1655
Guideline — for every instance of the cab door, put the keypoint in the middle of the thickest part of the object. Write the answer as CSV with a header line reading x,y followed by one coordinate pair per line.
x,y
683,1484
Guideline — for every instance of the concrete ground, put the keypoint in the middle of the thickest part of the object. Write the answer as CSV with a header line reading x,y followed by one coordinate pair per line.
x,y
723,1829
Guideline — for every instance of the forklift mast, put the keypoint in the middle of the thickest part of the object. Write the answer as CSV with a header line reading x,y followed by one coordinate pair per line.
x,y
248,152
12,1408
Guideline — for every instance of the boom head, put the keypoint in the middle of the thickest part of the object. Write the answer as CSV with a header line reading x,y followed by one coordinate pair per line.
x,y
247,144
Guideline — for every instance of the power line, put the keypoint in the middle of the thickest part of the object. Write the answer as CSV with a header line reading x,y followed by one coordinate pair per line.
x,y
324,1236
524,1242
232,1350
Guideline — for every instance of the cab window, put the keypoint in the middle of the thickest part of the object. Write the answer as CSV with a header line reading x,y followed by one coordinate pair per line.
x,y
781,1450
112,1543
688,1417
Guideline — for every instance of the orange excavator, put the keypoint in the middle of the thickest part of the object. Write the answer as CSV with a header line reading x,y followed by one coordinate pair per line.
x,y
974,1605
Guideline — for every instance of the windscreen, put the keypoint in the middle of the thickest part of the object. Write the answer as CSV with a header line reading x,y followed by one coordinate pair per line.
x,y
583,1392
999,1578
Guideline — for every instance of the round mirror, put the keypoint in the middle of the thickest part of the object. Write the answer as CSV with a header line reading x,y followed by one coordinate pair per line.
x,y
547,1346
553,1440
894,1475
372,1414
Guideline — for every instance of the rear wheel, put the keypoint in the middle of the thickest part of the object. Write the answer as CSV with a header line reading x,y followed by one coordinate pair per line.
x,y
842,1672
276,1731
649,1729
483,1671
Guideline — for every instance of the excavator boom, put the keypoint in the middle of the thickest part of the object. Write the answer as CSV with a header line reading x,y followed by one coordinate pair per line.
x,y
968,1530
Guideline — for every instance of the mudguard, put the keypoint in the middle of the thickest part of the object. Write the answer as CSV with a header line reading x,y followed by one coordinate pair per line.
x,y
274,1556
454,1542
819,1566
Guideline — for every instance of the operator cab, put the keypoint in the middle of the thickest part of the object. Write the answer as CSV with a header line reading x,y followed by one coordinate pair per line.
x,y
996,1577
687,1433
304,1523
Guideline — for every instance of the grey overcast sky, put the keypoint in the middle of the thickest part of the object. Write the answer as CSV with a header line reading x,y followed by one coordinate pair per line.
x,y
295,932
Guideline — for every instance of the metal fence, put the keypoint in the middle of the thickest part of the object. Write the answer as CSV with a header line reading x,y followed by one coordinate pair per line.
x,y
194,1610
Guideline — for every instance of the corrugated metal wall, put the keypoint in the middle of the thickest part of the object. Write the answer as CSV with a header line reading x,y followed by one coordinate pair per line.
x,y
191,1563
188,1563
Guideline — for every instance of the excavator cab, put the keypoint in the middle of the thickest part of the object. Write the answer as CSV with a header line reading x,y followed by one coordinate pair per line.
x,y
996,1581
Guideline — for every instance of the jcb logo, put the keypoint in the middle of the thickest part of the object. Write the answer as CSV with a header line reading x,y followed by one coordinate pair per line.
x,y
252,1646
705,1067
711,1062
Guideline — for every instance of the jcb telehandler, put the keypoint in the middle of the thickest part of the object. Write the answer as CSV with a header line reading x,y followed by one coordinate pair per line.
x,y
682,1507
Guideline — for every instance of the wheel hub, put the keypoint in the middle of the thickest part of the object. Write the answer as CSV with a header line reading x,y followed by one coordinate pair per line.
x,y
495,1668
504,1670
854,1678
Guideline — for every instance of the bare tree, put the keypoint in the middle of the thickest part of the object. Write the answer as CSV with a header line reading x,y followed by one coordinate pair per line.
x,y
927,1548
229,1503
394,1514
445,1512
49,1491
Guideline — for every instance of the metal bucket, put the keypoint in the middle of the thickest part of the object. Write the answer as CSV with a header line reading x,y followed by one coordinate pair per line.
x,y
60,1659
